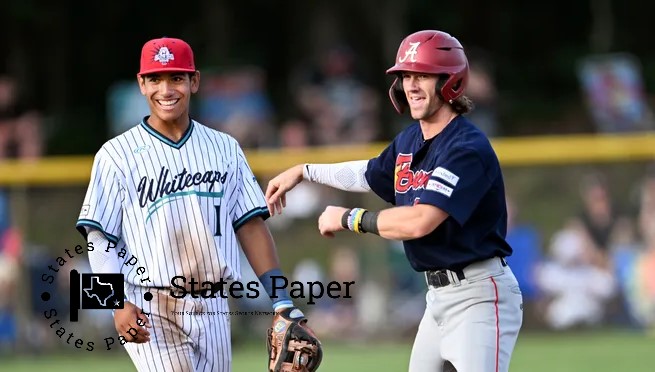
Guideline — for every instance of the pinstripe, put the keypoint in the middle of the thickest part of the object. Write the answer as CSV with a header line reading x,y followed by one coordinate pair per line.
x,y
116,154
206,143
174,209
163,335
224,334
212,350
176,253
197,224
230,251
178,305
221,149
203,352
128,216
149,164
206,161
107,174
184,349
179,237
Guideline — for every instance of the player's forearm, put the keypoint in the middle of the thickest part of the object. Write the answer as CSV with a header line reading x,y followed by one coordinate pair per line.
x,y
403,223
258,246
398,223
347,176
101,259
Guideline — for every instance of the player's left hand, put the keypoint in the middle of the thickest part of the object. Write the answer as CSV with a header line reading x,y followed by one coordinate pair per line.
x,y
330,220
131,319
291,344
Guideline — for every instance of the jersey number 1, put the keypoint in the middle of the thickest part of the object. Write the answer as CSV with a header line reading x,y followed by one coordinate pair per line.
x,y
218,220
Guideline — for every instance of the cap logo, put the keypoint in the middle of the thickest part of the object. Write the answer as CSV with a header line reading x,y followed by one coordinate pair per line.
x,y
164,55
411,52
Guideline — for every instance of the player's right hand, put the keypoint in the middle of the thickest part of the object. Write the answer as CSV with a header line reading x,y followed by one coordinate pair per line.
x,y
276,191
131,318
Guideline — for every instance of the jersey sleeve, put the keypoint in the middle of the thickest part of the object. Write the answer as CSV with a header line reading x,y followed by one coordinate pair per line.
x,y
380,174
102,206
457,185
248,200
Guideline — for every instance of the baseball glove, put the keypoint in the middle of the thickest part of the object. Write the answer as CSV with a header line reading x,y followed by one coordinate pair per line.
x,y
292,345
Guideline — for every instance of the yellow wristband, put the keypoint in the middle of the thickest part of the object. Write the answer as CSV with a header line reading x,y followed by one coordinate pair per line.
x,y
358,220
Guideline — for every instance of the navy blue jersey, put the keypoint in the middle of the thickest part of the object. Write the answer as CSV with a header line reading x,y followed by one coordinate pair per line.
x,y
458,172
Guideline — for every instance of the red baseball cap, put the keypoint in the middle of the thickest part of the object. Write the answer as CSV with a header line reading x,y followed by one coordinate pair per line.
x,y
166,55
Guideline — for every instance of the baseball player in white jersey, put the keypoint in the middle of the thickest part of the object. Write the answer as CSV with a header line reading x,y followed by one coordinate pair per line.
x,y
180,199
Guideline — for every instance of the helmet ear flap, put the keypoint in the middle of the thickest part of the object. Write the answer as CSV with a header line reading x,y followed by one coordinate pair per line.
x,y
397,96
455,85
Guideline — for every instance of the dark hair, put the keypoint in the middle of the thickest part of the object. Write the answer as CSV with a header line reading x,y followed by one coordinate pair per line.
x,y
463,105
143,77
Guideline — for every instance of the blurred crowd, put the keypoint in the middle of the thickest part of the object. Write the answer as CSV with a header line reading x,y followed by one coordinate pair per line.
x,y
330,104
597,269
21,137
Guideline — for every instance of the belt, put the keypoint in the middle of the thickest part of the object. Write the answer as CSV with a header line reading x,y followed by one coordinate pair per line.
x,y
441,278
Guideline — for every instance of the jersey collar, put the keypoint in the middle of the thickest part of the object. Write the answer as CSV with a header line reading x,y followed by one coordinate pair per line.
x,y
152,131
444,133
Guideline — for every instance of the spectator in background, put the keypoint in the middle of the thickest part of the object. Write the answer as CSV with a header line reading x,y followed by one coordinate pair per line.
x,y
294,134
597,217
647,207
335,317
640,283
20,125
307,199
341,108
625,252
8,319
481,89
236,103
407,304
21,137
38,336
578,289
10,257
125,104
526,242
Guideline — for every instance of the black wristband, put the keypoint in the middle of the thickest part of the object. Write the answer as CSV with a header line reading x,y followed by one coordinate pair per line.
x,y
370,222
344,219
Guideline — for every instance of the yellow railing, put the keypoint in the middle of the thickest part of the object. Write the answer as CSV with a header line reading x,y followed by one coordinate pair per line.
x,y
521,151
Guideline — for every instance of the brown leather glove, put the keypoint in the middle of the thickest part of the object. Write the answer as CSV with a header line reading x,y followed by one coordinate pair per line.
x,y
292,345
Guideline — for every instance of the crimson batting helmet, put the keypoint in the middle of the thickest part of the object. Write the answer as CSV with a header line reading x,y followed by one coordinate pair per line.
x,y
430,52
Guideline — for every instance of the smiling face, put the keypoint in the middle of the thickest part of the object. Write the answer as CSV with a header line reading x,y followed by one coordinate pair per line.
x,y
421,92
169,94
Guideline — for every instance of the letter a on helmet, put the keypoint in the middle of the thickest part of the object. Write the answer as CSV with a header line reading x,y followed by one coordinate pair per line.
x,y
430,52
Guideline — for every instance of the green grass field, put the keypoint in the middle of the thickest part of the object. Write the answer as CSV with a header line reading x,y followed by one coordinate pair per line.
x,y
570,352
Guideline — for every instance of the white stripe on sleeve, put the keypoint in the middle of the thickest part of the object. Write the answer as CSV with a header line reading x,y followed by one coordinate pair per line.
x,y
249,201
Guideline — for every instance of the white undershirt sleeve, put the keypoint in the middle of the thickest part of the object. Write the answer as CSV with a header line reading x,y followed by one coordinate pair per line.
x,y
347,176
101,261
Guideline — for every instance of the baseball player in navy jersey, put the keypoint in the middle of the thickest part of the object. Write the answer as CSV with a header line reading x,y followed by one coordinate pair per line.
x,y
444,181
179,198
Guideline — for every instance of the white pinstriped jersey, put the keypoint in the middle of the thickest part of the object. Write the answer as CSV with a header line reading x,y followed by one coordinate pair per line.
x,y
175,206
